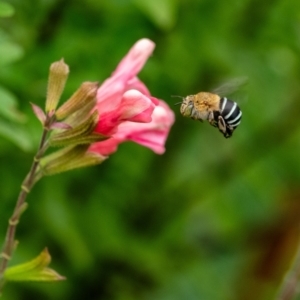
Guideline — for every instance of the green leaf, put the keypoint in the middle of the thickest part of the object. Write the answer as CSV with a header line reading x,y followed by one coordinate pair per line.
x,y
34,270
6,10
9,52
8,104
16,134
161,13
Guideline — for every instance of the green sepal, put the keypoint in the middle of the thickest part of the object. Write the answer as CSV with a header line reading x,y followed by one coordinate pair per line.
x,y
90,139
39,113
85,95
68,158
81,134
34,270
81,114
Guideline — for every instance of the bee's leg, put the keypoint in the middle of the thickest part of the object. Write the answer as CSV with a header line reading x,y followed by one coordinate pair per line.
x,y
226,129
211,119
222,125
229,131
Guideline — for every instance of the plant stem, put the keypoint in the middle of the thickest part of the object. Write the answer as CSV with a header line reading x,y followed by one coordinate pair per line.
x,y
28,183
289,288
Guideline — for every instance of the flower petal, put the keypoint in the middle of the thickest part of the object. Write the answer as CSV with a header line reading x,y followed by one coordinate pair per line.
x,y
127,111
135,59
136,107
136,84
106,147
152,135
110,93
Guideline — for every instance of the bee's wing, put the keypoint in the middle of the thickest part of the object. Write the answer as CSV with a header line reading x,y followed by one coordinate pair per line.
x,y
231,86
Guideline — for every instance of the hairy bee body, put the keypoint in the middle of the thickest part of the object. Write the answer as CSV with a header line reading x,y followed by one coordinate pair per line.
x,y
219,112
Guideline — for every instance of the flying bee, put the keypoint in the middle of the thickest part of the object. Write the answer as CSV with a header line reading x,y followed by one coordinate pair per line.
x,y
220,112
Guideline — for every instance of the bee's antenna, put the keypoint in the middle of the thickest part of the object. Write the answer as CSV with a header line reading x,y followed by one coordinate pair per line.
x,y
176,96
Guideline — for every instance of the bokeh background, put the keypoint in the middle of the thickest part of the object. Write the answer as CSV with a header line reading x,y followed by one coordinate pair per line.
x,y
212,218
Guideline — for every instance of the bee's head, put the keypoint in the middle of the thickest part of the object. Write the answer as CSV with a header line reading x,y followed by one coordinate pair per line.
x,y
187,105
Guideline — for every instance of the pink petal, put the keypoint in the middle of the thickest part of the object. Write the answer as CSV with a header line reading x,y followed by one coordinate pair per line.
x,y
162,118
152,135
106,147
124,78
136,107
135,59
136,84
110,94
154,140
127,111
108,122
145,116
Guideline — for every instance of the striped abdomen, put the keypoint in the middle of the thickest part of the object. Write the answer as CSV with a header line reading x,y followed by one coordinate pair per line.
x,y
230,111
228,117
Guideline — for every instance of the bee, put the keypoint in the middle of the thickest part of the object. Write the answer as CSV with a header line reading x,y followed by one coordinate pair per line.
x,y
220,112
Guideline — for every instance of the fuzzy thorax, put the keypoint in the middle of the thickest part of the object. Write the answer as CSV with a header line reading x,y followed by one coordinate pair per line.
x,y
200,106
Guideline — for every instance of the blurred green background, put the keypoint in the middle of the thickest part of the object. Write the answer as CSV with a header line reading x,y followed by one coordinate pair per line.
x,y
212,218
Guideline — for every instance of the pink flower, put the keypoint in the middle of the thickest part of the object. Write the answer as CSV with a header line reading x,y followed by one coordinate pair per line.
x,y
127,111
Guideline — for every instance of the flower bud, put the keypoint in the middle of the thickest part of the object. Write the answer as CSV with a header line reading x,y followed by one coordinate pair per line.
x,y
58,76
84,96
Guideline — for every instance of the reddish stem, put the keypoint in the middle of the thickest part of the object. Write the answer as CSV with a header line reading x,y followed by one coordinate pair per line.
x,y
28,183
